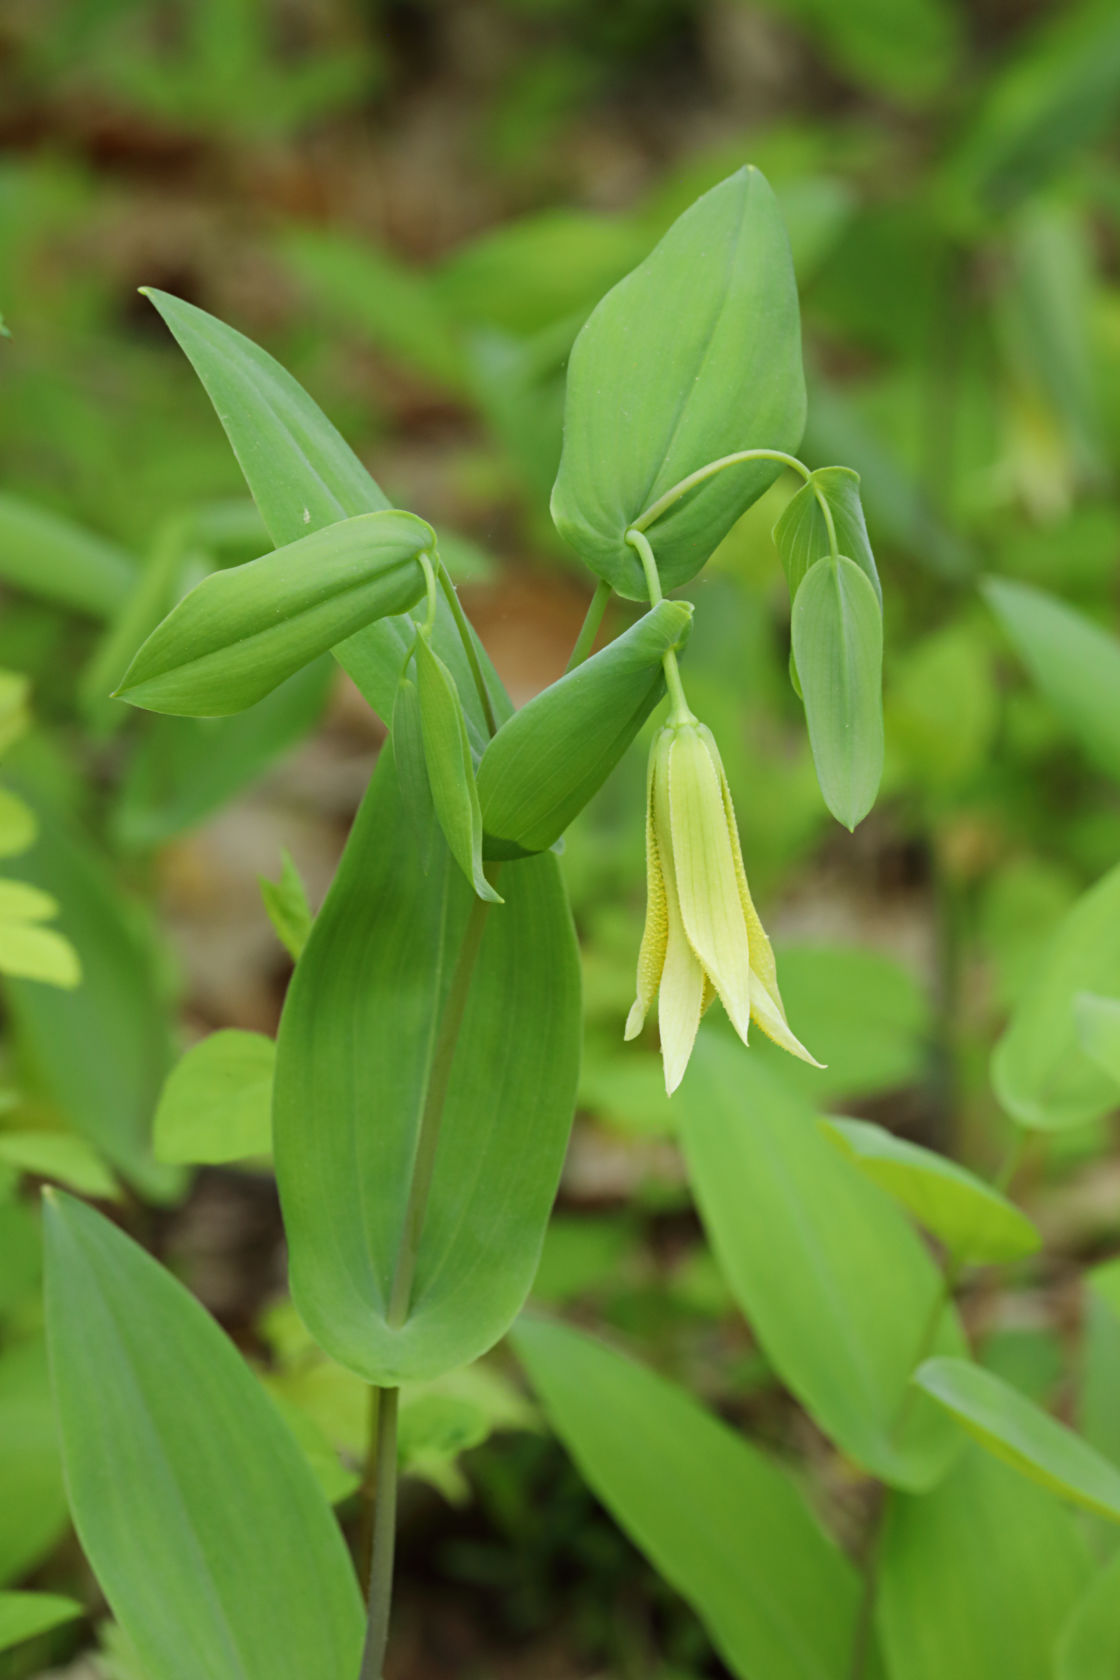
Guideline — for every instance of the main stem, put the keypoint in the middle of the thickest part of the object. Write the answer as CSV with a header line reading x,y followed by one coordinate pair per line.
x,y
400,1294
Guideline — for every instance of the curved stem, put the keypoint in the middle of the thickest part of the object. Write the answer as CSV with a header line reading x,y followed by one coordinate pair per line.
x,y
665,502
466,635
590,626
679,709
384,1534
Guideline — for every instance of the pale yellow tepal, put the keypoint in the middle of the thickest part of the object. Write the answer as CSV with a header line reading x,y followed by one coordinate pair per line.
x,y
702,935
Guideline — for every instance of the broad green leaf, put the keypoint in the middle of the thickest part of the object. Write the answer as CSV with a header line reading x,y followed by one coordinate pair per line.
x,y
802,536
289,912
303,477
25,1615
33,1509
451,774
837,636
50,557
545,763
1022,1434
356,1041
29,952
1089,1644
717,1518
976,1224
694,356
115,1025
186,768
217,1103
216,1550
838,1289
60,1156
241,631
1040,1071
1098,1030
18,827
1075,663
977,1577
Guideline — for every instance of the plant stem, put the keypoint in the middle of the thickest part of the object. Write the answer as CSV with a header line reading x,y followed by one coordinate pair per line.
x,y
384,1534
466,635
590,627
665,502
679,709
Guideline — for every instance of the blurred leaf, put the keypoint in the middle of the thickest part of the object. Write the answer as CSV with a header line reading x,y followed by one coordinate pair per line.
x,y
725,1526
903,48
213,1498
33,1514
976,1224
699,350
1098,1030
60,1156
1089,1644
1041,1074
286,903
1074,662
1098,1416
18,826
580,1255
1022,1434
834,1283
837,632
942,709
24,1615
217,1103
50,557
977,1576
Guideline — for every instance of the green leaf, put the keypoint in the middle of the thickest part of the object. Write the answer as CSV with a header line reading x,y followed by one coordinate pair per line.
x,y
39,954
977,1225
1075,663
60,1156
836,1286
694,356
55,560
356,1040
719,1520
289,912
546,762
837,635
1089,1645
1098,1030
1022,1434
33,1509
413,784
802,535
18,827
217,1103
241,631
304,477
451,776
217,1552
977,1577
1041,1074
25,1615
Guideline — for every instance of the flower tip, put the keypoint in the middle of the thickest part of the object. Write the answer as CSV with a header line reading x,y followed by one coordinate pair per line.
x,y
635,1021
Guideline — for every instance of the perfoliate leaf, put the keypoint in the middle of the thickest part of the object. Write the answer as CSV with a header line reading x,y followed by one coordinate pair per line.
x,y
217,1552
837,634
241,631
694,356
451,775
545,763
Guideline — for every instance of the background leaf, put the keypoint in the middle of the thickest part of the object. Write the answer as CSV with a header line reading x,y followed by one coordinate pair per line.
x,y
217,1102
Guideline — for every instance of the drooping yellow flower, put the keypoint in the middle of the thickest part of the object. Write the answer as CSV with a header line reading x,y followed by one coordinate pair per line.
x,y
702,936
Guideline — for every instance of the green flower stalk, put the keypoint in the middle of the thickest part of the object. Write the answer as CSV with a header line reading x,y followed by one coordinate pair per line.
x,y
702,936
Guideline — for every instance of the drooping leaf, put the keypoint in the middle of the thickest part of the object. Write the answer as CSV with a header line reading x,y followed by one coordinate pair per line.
x,y
1075,663
1022,1434
217,1102
976,1224
357,1039
288,910
716,1517
545,763
1040,1071
216,1549
242,631
25,1615
838,1289
977,1576
451,773
694,356
837,634
802,535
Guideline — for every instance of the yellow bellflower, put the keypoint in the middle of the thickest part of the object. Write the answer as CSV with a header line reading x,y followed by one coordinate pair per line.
x,y
702,936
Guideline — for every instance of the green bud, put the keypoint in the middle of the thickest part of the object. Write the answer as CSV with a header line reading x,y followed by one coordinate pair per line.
x,y
543,766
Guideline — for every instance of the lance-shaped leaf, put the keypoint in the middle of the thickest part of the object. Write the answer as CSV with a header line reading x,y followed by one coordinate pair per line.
x,y
802,536
543,766
197,1510
976,1224
726,1526
447,757
354,1062
241,631
694,356
837,633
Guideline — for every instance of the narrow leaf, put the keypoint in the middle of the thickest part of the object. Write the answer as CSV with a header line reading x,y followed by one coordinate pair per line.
x,y
837,634
58,561
451,776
